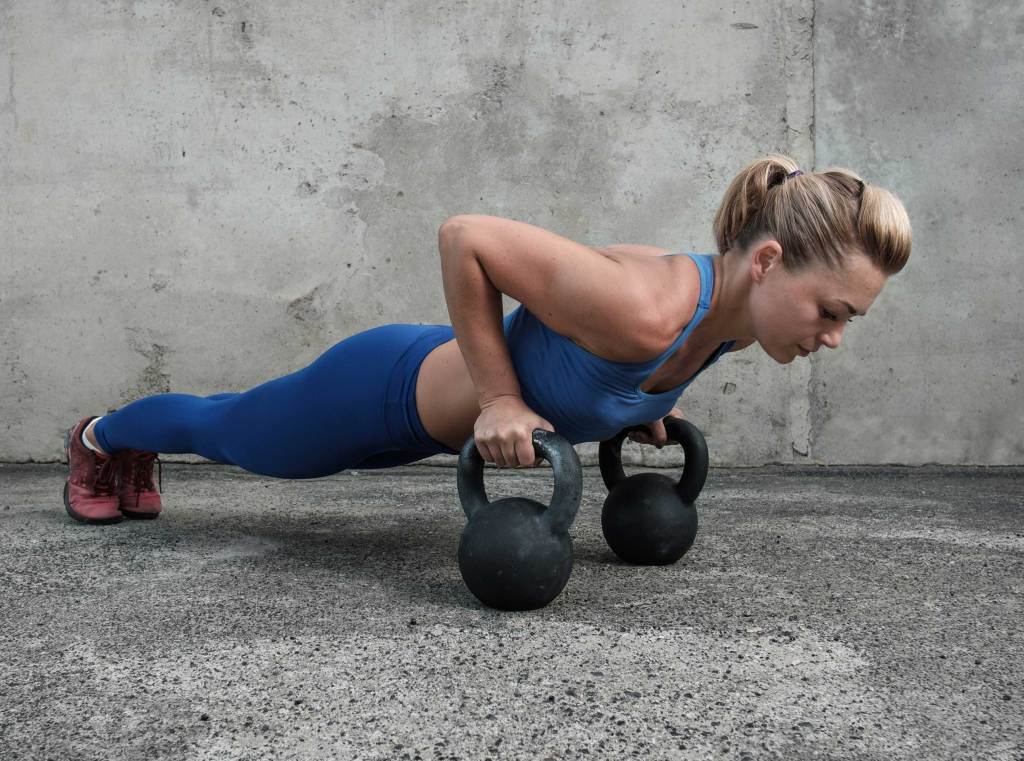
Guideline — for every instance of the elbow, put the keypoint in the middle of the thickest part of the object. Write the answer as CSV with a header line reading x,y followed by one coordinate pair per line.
x,y
452,224
450,232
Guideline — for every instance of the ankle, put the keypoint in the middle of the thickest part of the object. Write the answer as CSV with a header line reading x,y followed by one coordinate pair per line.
x,y
91,438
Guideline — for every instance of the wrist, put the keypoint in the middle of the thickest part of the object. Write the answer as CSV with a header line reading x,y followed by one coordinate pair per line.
x,y
488,400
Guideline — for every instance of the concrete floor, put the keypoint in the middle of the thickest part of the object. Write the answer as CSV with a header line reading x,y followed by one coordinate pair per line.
x,y
862,613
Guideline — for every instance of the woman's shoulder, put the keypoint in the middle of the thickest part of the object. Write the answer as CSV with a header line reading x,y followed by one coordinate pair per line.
x,y
670,292
633,249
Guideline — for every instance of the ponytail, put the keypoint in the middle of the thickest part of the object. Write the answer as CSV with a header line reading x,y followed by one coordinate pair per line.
x,y
820,217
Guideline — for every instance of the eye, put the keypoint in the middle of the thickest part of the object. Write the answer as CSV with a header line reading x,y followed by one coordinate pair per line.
x,y
829,316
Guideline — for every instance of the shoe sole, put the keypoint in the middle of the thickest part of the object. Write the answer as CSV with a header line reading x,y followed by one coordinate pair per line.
x,y
67,489
134,516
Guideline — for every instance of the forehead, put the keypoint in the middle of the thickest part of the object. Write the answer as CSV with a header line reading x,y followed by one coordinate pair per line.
x,y
859,281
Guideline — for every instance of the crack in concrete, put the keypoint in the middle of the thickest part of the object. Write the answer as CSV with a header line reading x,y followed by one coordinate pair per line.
x,y
10,106
812,135
12,102
814,89
813,407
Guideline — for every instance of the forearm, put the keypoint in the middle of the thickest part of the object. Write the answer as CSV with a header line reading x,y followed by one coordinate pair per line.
x,y
474,306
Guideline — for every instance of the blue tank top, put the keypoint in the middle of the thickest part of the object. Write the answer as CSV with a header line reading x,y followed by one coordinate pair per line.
x,y
586,397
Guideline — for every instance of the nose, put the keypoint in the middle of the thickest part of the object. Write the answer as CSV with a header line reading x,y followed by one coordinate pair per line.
x,y
832,338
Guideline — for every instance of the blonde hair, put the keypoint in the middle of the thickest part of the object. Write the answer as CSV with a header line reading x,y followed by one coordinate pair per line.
x,y
817,218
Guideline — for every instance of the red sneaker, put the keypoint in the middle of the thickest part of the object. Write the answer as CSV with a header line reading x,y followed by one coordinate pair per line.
x,y
89,488
136,495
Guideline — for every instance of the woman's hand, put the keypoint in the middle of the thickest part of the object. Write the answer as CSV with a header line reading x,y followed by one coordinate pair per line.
x,y
504,432
657,431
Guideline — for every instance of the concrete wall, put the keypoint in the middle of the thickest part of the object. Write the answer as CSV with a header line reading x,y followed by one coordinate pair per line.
x,y
926,97
199,196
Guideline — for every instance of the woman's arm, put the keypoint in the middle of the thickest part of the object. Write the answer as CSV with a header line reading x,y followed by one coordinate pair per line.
x,y
474,306
619,307
504,427
623,309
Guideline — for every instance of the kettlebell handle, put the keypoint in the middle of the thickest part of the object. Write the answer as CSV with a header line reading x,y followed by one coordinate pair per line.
x,y
565,499
685,433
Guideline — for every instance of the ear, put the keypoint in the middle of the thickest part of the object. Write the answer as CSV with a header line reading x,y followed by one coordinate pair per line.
x,y
766,255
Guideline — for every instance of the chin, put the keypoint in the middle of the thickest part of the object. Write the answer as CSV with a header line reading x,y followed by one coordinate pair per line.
x,y
786,357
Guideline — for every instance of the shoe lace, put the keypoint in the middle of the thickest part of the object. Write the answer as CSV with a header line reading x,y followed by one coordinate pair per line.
x,y
141,471
104,473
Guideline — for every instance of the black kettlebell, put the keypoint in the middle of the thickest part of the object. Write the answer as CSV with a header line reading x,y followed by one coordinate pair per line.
x,y
649,519
516,554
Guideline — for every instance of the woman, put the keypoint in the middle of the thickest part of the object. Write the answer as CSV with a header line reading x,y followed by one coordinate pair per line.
x,y
605,338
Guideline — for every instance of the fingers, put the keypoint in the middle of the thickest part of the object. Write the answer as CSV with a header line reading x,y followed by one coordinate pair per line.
x,y
512,449
524,454
509,452
517,452
492,450
641,437
528,454
654,435
484,450
660,438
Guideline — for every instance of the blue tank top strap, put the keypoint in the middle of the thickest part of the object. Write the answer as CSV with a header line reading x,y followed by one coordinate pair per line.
x,y
707,273
707,278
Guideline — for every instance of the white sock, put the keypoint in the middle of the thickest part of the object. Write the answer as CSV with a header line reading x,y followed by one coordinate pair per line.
x,y
86,441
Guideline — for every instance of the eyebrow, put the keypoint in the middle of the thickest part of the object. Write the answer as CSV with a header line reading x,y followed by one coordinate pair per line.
x,y
850,307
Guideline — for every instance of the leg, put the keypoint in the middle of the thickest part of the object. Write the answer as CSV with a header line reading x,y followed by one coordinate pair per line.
x,y
348,407
172,423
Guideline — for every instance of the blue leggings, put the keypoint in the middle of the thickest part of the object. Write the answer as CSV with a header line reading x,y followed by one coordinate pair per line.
x,y
353,407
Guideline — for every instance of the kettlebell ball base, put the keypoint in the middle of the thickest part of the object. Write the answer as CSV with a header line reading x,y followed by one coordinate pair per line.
x,y
515,553
647,518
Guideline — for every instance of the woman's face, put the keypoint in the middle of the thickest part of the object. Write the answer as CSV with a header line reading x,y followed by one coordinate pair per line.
x,y
795,315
